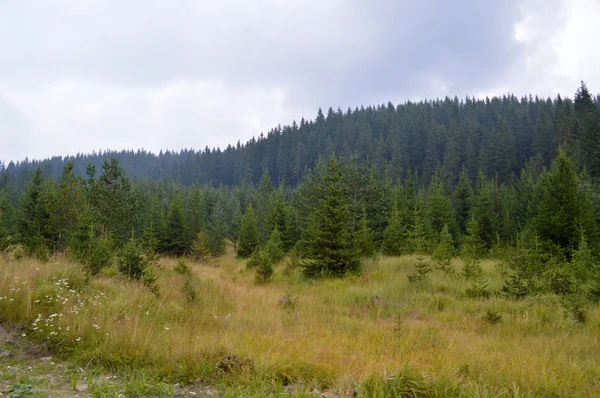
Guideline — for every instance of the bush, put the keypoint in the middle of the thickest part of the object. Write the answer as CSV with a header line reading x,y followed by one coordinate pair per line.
x,y
182,267
264,266
560,280
189,292
492,316
478,289
133,260
421,271
574,306
15,252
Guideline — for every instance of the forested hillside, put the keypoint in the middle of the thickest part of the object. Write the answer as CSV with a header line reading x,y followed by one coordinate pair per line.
x,y
441,178
495,136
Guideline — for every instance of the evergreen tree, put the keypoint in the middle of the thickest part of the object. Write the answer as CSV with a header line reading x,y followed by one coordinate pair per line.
x,y
471,251
487,211
196,213
444,252
364,238
33,220
200,248
439,209
216,231
65,202
260,203
174,236
422,267
563,210
274,247
329,244
112,199
395,237
463,200
248,235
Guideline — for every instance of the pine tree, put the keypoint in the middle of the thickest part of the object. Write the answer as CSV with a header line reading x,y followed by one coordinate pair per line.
x,y
195,213
364,239
248,235
329,244
444,252
463,198
422,268
274,247
563,210
471,251
260,203
174,236
33,221
113,201
65,203
395,236
439,211
487,211
264,266
133,260
6,220
216,230
200,249
278,216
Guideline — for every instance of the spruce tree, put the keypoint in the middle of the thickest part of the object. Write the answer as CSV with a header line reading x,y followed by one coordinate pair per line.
x,y
395,236
274,247
463,200
439,211
444,252
33,222
113,201
329,243
174,236
216,230
65,203
200,249
364,238
422,267
472,251
248,236
563,210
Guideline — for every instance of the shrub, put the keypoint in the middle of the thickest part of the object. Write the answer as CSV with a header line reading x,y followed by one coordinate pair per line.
x,y
182,267
133,260
421,271
264,266
492,316
189,292
15,252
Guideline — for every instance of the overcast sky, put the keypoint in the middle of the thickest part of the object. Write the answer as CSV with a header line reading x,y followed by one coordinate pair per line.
x,y
78,76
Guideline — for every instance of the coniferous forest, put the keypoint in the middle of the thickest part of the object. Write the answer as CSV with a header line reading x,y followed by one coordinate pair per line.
x,y
506,172
510,187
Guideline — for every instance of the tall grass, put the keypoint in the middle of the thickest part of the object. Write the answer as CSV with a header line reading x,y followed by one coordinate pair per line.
x,y
369,335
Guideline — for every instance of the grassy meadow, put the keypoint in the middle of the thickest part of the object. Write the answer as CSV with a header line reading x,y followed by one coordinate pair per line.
x,y
373,335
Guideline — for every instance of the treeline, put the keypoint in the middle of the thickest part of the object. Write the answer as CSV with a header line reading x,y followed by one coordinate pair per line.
x,y
496,137
344,210
543,222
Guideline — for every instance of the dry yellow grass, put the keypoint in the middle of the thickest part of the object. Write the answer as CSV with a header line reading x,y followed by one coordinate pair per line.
x,y
341,331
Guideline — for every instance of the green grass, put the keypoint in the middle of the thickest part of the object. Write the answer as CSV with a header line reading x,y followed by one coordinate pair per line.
x,y
370,335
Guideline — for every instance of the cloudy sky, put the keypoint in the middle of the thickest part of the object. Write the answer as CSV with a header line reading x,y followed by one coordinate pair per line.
x,y
78,76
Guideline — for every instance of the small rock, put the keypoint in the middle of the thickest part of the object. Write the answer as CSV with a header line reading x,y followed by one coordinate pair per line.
x,y
45,359
5,354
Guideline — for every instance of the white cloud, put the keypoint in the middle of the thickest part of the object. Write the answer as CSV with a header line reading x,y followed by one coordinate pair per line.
x,y
80,76
78,116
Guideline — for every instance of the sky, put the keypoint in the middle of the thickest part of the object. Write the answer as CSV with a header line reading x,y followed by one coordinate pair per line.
x,y
82,76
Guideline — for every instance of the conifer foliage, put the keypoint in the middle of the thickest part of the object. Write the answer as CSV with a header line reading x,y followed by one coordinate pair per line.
x,y
330,248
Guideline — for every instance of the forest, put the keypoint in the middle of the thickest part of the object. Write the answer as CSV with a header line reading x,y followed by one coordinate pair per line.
x,y
513,180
